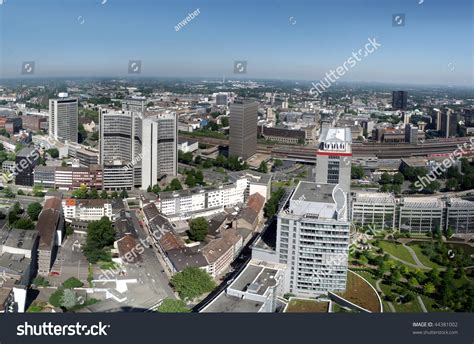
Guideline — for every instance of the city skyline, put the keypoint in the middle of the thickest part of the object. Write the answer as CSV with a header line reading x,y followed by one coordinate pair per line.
x,y
95,39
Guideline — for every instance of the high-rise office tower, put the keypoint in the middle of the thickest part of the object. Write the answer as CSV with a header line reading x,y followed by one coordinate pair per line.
x,y
243,129
137,104
313,240
399,100
120,148
436,117
137,149
449,123
334,156
63,113
160,152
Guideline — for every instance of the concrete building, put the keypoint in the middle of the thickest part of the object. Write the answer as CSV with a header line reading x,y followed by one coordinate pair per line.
x,y
25,162
460,215
420,215
399,100
63,117
333,158
257,182
255,290
91,209
69,178
33,122
313,240
449,123
221,99
134,104
411,134
160,153
186,145
50,228
121,148
243,129
185,204
373,208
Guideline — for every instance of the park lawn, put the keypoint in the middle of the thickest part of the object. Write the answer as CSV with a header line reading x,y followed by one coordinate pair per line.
x,y
424,258
307,306
431,305
409,307
397,250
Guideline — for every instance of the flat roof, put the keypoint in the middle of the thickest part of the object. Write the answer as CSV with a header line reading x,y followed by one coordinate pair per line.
x,y
226,303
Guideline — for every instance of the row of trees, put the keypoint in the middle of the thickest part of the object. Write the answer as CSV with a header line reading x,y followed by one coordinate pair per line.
x,y
271,207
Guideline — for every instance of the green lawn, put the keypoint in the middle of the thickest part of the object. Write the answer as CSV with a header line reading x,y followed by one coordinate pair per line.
x,y
409,307
397,250
424,258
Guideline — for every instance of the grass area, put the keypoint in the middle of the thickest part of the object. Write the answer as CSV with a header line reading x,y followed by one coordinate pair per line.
x,y
397,250
338,309
431,305
424,258
361,293
107,265
307,306
36,307
409,307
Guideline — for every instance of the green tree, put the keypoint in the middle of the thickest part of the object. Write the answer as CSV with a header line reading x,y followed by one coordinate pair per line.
x,y
398,178
156,188
263,168
271,206
429,288
114,195
452,184
33,210
385,178
100,235
191,283
173,306
190,181
104,194
175,185
198,229
55,298
94,194
124,194
81,192
277,162
225,121
68,299
199,177
72,282
357,172
24,223
12,217
53,152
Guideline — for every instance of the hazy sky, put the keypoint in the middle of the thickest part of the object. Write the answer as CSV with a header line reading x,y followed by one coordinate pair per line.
x,y
88,38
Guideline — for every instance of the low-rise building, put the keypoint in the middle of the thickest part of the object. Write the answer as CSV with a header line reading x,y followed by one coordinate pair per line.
x,y
91,209
377,209
69,177
255,290
421,214
187,145
221,252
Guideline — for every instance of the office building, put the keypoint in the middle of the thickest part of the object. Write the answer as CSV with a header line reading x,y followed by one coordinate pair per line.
x,y
333,158
399,100
411,134
135,104
420,215
313,240
63,113
121,148
25,160
449,123
374,209
243,129
221,99
160,152
68,177
460,215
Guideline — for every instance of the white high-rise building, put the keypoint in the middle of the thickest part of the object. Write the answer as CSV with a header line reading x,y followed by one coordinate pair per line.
x,y
160,148
136,150
313,239
334,156
63,113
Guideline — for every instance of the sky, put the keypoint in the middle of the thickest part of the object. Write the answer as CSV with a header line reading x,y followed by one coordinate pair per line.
x,y
291,39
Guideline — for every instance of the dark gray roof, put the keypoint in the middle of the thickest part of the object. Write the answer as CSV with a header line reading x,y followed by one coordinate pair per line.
x,y
186,257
